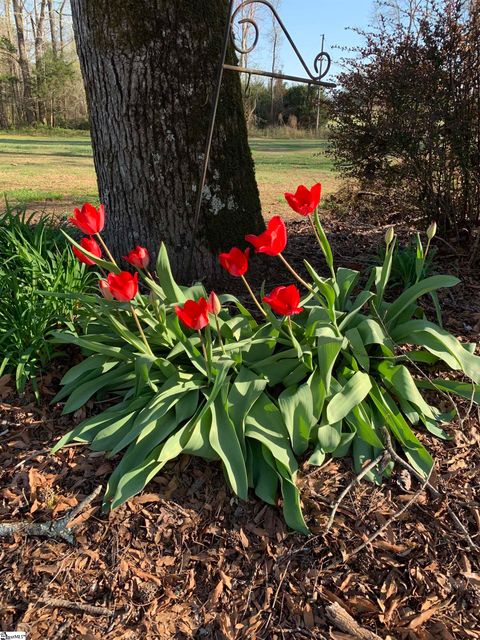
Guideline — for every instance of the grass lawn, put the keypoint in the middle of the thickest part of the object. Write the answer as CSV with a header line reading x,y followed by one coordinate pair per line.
x,y
55,172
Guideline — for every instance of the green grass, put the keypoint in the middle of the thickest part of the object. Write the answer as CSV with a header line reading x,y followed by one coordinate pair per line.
x,y
45,170
276,156
54,170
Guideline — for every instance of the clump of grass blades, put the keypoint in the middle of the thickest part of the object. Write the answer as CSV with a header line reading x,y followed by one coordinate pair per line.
x,y
34,260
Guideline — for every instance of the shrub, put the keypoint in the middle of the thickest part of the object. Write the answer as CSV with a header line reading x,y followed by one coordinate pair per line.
x,y
187,372
407,109
34,258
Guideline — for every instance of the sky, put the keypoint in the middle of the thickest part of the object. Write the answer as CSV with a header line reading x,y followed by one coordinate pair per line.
x,y
307,20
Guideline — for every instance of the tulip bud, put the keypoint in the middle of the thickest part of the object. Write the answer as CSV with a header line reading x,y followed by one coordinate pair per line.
x,y
432,231
214,304
389,236
105,290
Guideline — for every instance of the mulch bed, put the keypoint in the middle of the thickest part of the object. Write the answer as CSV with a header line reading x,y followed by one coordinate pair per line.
x,y
185,559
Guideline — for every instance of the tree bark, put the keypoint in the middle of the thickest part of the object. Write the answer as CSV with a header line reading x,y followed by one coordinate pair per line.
x,y
60,27
28,106
149,68
53,29
38,31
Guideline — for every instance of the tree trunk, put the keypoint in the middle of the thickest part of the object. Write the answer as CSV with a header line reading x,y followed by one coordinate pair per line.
x,y
60,27
149,68
53,30
23,63
38,32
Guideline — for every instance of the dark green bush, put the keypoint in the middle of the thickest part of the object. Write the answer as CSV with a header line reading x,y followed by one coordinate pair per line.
x,y
34,258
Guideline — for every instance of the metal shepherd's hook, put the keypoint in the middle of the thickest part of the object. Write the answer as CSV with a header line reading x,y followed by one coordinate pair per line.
x,y
313,78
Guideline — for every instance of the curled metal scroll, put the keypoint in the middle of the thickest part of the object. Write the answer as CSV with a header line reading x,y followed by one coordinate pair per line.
x,y
321,64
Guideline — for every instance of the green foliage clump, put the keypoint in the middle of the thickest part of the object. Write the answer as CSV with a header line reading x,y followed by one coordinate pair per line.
x,y
34,260
260,396
406,263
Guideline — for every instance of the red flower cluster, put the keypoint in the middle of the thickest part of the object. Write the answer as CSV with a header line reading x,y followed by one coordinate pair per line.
x,y
305,201
194,314
284,300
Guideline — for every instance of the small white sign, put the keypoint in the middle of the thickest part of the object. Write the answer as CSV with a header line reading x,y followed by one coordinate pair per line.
x,y
13,635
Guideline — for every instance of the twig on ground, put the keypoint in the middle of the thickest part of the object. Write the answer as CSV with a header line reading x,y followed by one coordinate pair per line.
x,y
174,507
435,492
395,516
53,528
61,630
344,622
383,459
75,606
275,597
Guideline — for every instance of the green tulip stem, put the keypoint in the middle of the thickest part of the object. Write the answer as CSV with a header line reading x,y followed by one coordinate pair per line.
x,y
296,275
205,354
217,324
144,337
312,224
290,327
254,298
107,251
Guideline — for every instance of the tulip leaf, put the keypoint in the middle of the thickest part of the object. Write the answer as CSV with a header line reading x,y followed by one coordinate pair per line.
x,y
164,272
352,394
412,294
296,405
224,441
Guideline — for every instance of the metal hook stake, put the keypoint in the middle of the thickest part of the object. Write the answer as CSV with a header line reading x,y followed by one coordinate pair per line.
x,y
311,80
208,147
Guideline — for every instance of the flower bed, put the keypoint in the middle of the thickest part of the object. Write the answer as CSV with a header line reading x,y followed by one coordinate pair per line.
x,y
317,374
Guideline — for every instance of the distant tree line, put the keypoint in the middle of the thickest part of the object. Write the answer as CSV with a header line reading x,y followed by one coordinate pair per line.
x,y
292,106
40,81
407,110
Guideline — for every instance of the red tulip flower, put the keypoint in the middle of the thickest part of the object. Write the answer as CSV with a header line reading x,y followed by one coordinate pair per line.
x,y
90,245
284,300
88,219
305,201
235,262
139,258
194,314
105,289
123,286
272,241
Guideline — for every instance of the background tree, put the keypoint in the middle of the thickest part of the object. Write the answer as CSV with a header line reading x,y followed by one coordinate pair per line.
x,y
28,106
40,79
407,112
149,69
275,41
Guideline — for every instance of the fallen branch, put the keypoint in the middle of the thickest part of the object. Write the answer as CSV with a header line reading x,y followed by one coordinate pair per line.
x,y
383,459
344,622
74,606
53,528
